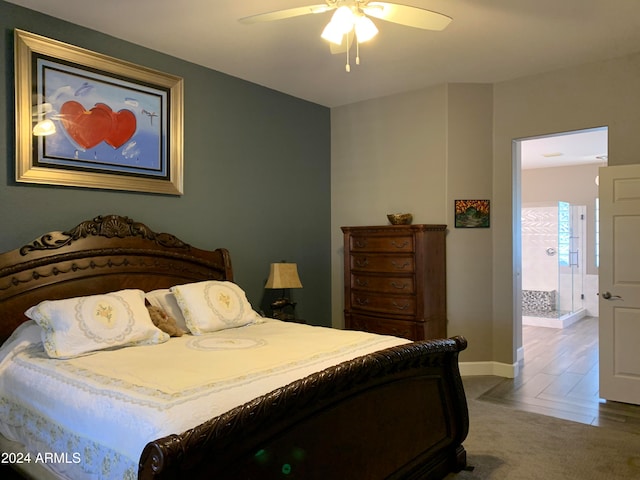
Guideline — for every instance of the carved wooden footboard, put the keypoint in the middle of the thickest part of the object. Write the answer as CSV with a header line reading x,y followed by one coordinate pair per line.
x,y
400,413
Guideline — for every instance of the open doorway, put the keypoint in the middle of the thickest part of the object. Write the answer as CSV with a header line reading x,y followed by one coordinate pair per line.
x,y
558,226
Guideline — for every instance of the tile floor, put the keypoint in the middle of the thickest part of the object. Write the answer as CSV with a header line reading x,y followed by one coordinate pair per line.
x,y
560,378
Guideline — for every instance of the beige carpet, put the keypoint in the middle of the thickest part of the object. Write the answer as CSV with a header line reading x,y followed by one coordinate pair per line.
x,y
507,444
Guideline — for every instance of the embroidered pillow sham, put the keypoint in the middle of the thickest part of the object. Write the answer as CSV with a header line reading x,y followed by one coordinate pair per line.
x,y
80,325
214,305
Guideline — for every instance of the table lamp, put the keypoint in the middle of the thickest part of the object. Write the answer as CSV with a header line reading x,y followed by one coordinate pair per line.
x,y
283,276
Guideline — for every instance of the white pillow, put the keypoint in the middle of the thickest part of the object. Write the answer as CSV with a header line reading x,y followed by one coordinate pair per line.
x,y
214,305
80,325
164,299
27,334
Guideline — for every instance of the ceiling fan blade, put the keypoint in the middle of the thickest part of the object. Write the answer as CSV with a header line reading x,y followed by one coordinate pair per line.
x,y
288,13
406,15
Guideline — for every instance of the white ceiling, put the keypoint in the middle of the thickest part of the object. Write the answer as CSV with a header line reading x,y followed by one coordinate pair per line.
x,y
488,41
584,147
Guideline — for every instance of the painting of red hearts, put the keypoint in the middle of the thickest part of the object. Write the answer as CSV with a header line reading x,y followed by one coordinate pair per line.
x,y
99,124
103,124
85,119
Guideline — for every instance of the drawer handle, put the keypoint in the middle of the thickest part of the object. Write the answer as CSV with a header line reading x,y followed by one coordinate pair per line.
x,y
361,244
362,262
401,307
398,266
362,283
399,286
399,245
361,301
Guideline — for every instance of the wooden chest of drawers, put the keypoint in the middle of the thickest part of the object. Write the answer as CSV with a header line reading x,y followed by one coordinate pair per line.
x,y
395,280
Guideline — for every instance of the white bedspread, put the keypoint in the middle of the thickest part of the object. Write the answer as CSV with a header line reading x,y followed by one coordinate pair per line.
x,y
96,413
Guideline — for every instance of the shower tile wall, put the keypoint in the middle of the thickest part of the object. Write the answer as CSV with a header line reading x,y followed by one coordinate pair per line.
x,y
540,248
552,278
535,301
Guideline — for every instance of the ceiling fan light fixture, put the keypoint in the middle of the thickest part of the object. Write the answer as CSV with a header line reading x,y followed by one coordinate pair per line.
x,y
344,19
353,16
365,28
342,22
332,33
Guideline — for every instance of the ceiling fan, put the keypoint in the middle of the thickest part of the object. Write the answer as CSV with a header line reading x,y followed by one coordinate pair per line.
x,y
351,20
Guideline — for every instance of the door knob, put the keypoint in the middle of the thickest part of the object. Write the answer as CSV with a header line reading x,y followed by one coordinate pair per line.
x,y
608,296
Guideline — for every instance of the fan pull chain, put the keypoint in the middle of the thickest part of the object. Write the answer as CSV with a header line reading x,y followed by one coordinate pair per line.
x,y
347,67
357,52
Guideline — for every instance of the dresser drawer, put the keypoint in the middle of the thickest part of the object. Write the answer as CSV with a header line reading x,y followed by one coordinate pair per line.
x,y
401,263
383,326
383,284
382,243
373,302
395,280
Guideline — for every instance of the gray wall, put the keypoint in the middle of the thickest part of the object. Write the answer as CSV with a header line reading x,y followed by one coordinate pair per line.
x,y
589,96
419,151
256,171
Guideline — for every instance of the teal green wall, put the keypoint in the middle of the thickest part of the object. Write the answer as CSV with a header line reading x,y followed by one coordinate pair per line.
x,y
256,171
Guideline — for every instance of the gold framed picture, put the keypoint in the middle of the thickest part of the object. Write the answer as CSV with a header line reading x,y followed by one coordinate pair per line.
x,y
84,119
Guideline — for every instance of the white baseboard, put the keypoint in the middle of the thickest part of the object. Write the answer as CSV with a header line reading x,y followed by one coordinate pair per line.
x,y
470,369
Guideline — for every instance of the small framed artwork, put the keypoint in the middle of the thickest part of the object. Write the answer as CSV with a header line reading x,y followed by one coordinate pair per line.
x,y
84,119
472,213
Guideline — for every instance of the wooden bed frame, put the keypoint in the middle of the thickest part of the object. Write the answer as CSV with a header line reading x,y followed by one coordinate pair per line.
x,y
398,413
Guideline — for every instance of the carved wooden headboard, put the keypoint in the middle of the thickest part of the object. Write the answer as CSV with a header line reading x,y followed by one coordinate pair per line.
x,y
101,255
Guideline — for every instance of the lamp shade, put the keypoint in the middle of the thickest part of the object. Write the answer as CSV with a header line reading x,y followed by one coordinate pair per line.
x,y
283,275
343,19
332,33
365,29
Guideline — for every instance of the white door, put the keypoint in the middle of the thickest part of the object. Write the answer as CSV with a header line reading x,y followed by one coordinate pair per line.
x,y
619,277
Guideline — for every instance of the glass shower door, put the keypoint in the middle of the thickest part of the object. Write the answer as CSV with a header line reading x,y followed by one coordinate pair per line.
x,y
570,257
